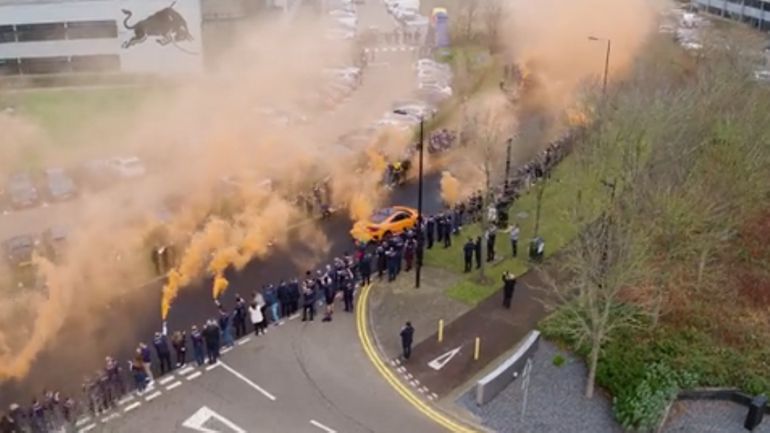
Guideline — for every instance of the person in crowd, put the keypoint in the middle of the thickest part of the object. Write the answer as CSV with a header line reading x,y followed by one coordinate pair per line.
x,y
113,373
391,258
255,313
147,361
327,288
440,221
382,260
239,316
477,251
308,297
225,327
448,227
259,299
296,293
491,237
179,342
365,268
273,306
509,285
348,287
468,249
407,336
430,227
409,252
211,334
138,372
160,342
197,342
284,298
514,236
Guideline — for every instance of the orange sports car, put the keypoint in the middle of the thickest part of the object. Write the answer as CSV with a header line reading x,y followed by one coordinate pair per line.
x,y
384,222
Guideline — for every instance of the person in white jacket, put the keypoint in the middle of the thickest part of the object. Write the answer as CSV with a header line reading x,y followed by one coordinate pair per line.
x,y
255,313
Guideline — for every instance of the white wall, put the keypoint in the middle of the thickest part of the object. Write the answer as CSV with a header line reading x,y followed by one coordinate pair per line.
x,y
148,57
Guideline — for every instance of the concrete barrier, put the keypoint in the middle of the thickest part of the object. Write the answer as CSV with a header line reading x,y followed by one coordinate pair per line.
x,y
491,384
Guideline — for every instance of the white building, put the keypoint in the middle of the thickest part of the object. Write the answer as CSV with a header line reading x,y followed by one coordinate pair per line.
x,y
753,12
130,36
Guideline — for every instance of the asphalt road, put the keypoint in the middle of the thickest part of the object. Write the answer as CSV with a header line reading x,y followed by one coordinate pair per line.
x,y
300,377
71,356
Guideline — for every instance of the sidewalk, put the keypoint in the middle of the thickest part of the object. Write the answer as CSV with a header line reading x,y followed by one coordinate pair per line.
x,y
499,329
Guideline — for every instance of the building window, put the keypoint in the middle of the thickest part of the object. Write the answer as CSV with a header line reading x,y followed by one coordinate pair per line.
x,y
92,30
41,32
45,65
9,67
7,34
95,63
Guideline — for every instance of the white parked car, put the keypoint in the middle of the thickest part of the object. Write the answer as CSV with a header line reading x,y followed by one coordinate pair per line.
x,y
430,63
129,166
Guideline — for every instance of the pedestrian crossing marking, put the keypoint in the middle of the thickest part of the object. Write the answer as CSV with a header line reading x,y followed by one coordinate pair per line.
x,y
194,375
165,380
186,370
173,385
152,396
132,406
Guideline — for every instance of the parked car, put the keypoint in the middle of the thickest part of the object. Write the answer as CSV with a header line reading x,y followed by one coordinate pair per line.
x,y
60,185
127,166
19,250
21,191
54,242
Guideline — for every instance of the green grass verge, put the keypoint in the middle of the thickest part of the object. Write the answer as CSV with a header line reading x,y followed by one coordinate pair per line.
x,y
556,228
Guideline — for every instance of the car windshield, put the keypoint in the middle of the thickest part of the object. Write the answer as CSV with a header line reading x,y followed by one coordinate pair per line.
x,y
381,215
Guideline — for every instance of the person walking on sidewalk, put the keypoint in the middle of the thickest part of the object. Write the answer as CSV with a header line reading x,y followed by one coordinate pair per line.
x,y
509,285
515,239
407,336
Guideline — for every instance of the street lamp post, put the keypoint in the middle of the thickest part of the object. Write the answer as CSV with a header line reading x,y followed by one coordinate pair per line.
x,y
420,245
606,61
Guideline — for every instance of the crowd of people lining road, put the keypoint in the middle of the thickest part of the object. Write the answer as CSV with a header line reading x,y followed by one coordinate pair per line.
x,y
383,260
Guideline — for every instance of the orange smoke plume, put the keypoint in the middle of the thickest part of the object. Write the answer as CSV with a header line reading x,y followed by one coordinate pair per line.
x,y
450,188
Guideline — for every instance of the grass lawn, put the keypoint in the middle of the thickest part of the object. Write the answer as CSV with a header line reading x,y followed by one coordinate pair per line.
x,y
556,228
66,116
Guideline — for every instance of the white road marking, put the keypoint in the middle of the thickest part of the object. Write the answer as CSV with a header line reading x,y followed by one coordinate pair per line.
x,y
110,417
434,395
212,366
132,406
321,426
173,385
194,375
186,370
202,415
152,396
82,421
248,382
294,316
414,383
244,341
409,376
443,359
227,349
166,380
125,400
87,428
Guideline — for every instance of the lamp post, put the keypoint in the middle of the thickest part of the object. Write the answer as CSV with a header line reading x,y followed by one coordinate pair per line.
x,y
507,165
420,245
606,60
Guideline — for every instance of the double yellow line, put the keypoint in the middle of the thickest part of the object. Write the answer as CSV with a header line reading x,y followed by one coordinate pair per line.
x,y
390,377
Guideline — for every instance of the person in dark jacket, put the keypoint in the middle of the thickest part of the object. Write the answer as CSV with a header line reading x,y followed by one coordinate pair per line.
x,y
211,337
239,316
271,301
294,294
468,250
327,287
509,285
179,341
382,260
407,336
348,287
430,227
491,236
477,251
365,269
284,298
409,251
308,297
197,343
164,354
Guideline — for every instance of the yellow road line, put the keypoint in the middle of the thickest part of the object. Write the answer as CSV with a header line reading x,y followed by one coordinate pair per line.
x,y
387,374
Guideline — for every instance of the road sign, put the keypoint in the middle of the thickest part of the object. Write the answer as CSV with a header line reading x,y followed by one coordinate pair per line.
x,y
441,361
203,415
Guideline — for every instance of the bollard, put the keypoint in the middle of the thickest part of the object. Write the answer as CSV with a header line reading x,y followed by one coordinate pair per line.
x,y
477,349
440,330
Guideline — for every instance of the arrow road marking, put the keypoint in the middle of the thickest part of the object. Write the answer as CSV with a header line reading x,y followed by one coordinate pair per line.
x,y
202,415
442,360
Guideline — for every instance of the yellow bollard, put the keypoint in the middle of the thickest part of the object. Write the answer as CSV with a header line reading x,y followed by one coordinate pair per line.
x,y
477,349
440,330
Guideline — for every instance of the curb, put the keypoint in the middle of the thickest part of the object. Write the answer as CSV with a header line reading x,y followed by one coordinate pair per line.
x,y
435,414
